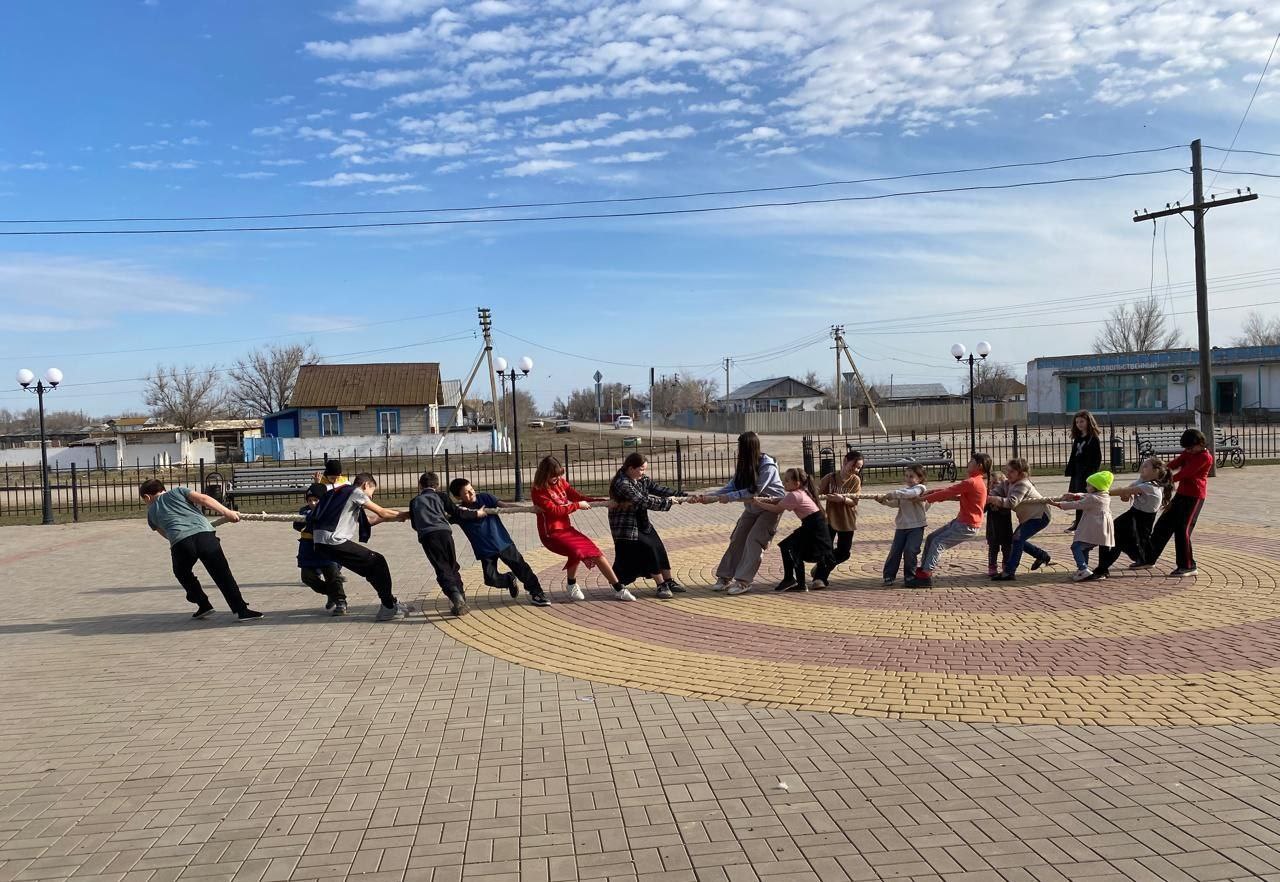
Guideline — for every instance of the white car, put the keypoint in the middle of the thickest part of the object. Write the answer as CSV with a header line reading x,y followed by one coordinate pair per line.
x,y
537,424
623,422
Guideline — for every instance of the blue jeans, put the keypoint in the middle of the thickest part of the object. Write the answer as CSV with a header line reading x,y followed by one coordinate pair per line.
x,y
1080,551
904,551
942,538
1021,543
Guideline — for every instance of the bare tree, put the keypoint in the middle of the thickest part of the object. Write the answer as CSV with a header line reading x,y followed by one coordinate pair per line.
x,y
185,397
1258,330
993,380
1142,326
526,406
704,395
263,381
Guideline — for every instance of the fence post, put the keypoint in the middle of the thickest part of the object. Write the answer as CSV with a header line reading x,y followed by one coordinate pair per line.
x,y
446,468
806,448
679,469
1015,441
75,496
566,462
202,474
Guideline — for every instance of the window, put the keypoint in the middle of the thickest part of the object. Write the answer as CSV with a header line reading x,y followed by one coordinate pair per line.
x,y
1112,392
388,422
330,422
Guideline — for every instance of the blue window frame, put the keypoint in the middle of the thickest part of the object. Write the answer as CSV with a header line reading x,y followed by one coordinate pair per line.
x,y
330,422
388,420
1112,392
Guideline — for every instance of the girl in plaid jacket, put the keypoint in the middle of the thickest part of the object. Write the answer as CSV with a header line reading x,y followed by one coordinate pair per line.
x,y
638,549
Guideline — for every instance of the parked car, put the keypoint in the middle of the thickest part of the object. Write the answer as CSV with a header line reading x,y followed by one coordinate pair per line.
x,y
623,422
537,424
563,426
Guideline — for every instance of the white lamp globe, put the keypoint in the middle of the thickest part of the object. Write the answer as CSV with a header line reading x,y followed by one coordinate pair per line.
x,y
526,364
501,364
957,351
983,349
25,377
53,376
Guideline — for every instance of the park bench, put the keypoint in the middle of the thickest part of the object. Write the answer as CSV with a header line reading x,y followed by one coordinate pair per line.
x,y
1165,443
891,454
269,481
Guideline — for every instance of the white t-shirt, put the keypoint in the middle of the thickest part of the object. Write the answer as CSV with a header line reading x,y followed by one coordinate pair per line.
x,y
1147,498
348,527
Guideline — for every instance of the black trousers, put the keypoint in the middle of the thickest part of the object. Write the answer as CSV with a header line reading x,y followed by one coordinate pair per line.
x,y
844,547
1133,537
520,569
207,549
363,562
326,580
1178,520
440,551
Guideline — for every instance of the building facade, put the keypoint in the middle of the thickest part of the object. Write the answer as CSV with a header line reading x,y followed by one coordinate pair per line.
x,y
360,400
773,396
1133,386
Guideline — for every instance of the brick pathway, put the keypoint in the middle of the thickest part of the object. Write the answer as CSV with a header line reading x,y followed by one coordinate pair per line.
x,y
140,745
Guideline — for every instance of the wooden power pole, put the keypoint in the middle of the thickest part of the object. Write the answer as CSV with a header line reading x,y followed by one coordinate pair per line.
x,y
1199,208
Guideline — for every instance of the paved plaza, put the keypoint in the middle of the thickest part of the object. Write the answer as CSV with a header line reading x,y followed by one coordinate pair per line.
x,y
1037,729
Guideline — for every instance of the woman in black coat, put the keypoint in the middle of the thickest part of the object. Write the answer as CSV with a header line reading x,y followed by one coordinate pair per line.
x,y
1086,455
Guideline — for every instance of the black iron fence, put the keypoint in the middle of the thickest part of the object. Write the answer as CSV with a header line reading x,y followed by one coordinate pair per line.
x,y
1047,448
87,494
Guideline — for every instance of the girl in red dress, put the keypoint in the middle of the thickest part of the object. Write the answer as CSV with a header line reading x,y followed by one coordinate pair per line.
x,y
555,500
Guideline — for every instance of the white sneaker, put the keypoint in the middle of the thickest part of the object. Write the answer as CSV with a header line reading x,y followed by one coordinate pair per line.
x,y
1081,575
390,613
720,585
623,594
817,584
575,593
739,588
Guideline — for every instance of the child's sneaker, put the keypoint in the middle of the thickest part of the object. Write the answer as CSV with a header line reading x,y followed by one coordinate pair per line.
x,y
391,613
328,604
1041,562
623,594
249,615
203,612
739,588
675,586
339,608
1096,576
1184,571
539,599
818,584
1081,574
575,593
799,586
1139,565
888,580
458,606
918,581
720,585
513,589
664,593
991,570
785,584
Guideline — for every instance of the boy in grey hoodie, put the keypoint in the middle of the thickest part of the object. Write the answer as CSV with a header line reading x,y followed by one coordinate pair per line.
x,y
432,513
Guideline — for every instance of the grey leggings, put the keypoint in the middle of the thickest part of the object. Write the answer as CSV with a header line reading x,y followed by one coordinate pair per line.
x,y
751,536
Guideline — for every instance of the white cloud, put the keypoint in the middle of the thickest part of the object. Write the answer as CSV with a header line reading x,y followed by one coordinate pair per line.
x,y
646,113
495,8
546,97
574,126
731,105
536,167
448,92
347,179
252,175
282,100
786,150
283,162
401,188
363,115
385,10
450,167
645,86
759,133
160,165
380,47
267,131
632,156
430,149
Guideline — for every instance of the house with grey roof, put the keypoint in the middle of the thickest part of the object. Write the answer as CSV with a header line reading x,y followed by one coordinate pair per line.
x,y
773,395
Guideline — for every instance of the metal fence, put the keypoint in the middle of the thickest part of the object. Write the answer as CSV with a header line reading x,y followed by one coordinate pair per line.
x,y
88,494
1047,448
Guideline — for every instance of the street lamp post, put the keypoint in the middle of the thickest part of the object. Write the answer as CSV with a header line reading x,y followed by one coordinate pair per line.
x,y
53,377
526,365
983,349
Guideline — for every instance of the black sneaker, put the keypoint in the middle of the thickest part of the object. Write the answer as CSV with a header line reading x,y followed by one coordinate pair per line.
x,y
920,582
1184,571
513,589
539,599
458,606
250,615
1139,565
1003,577
676,586
799,586
202,612
1041,562
786,584
339,608
328,604
1096,576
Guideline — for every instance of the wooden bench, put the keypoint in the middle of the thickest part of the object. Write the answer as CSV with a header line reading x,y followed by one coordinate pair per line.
x,y
891,454
271,481
1165,443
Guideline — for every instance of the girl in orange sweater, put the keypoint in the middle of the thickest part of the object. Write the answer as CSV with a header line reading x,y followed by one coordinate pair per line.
x,y
972,493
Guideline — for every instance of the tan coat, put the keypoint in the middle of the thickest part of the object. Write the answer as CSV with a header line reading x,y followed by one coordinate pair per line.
x,y
841,516
1096,526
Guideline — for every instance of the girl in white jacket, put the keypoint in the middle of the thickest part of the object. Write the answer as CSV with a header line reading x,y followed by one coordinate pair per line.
x,y
1096,528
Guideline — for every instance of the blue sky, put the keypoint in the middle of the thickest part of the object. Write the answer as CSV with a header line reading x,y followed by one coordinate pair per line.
x,y
169,109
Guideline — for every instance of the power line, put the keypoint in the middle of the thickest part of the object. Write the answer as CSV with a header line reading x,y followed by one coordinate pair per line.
x,y
609,201
1250,152
1249,106
601,216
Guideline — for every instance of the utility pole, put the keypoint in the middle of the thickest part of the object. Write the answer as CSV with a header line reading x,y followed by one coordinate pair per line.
x,y
1199,208
727,362
837,334
486,327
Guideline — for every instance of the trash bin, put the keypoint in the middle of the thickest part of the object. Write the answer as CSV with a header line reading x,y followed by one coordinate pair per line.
x,y
1117,454
633,441
826,462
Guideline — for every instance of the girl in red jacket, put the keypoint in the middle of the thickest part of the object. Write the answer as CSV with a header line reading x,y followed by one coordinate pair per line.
x,y
555,500
1190,470
972,493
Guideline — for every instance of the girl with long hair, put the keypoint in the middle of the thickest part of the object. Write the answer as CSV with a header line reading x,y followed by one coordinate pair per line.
x,y
811,541
638,549
1086,456
556,499
1150,495
756,476
972,493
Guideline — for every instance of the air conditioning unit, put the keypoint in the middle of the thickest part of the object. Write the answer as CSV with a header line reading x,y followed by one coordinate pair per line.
x,y
1177,378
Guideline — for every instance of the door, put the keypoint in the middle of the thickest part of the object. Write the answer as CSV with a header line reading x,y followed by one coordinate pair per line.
x,y
1072,398
1226,395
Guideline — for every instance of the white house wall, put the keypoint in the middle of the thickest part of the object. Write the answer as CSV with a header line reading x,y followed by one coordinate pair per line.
x,y
382,445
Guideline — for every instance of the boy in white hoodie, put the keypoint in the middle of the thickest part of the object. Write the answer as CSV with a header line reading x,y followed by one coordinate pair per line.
x,y
908,524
